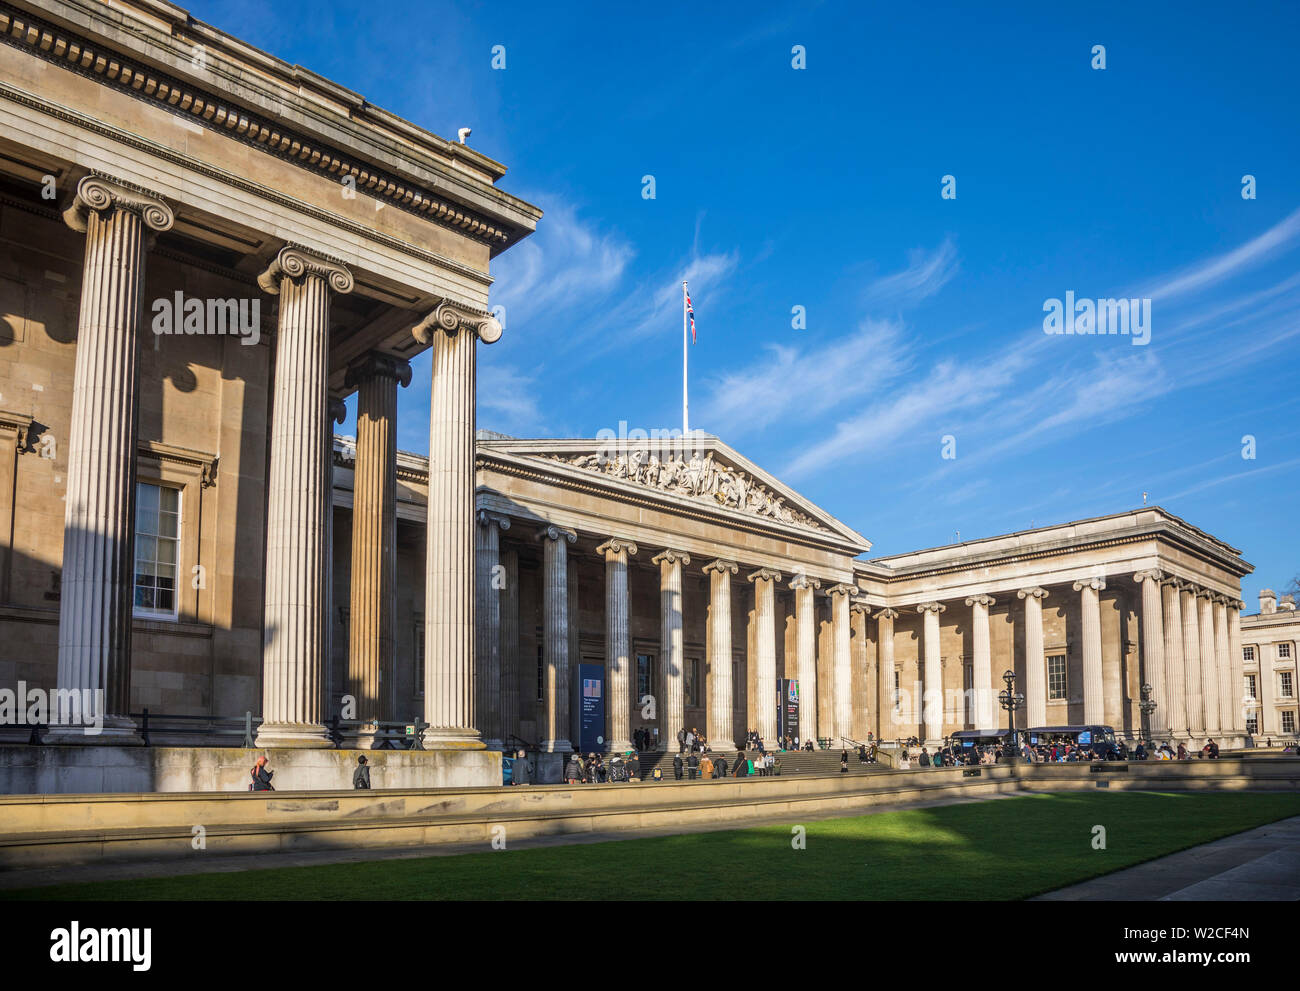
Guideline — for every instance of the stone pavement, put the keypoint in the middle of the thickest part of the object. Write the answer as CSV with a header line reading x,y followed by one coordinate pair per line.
x,y
1261,864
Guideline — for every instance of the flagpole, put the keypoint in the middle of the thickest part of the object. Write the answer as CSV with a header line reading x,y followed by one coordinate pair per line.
x,y
686,421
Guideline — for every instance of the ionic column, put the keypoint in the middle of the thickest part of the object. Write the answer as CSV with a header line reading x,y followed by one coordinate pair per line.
x,y
510,674
1175,660
1094,709
672,711
1209,676
932,699
1153,648
806,653
618,644
373,583
452,333
1035,662
487,590
298,505
1195,701
1223,667
555,638
842,680
98,580
575,658
765,656
983,715
721,729
864,709
888,701
1237,666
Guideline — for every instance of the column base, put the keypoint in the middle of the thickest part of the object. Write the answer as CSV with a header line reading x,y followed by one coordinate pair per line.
x,y
448,738
116,731
292,736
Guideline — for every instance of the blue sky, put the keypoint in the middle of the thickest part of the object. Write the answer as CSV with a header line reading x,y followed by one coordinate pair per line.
x,y
820,188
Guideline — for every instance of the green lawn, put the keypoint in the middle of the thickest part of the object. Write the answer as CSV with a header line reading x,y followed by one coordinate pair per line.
x,y
1004,849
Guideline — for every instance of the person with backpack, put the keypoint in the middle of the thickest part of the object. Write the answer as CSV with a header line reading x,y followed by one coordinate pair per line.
x,y
739,771
361,776
261,776
677,766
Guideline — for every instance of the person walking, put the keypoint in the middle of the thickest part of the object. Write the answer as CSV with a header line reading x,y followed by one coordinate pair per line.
x,y
677,766
261,776
519,774
573,770
692,765
361,776
844,762
706,768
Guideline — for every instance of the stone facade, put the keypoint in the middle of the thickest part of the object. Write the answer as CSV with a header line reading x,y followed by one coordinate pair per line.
x,y
1270,640
147,160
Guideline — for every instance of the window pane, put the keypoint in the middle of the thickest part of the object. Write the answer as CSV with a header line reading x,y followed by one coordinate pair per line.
x,y
167,551
146,497
169,500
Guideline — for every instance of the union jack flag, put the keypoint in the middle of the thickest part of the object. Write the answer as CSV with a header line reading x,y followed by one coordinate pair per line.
x,y
690,312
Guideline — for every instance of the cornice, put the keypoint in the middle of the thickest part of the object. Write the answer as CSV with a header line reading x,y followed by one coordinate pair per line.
x,y
126,73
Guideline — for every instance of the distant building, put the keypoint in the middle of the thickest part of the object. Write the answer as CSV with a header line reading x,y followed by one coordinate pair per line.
x,y
1269,639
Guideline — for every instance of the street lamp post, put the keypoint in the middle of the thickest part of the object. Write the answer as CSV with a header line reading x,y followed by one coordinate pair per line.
x,y
1148,705
1011,700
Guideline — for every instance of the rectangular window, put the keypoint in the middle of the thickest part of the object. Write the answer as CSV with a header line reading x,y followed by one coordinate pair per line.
x,y
1057,687
1250,687
1248,653
1252,723
693,681
419,660
1287,687
1284,652
157,549
1288,721
897,686
541,671
645,676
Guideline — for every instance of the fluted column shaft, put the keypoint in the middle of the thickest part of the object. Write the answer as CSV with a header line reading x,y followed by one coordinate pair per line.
x,y
373,585
1153,649
298,566
721,729
842,669
1035,662
1094,709
449,633
865,704
510,673
983,715
555,638
1194,699
1175,659
932,711
618,644
1209,675
1223,667
889,716
1236,662
488,584
672,711
98,577
764,706
806,654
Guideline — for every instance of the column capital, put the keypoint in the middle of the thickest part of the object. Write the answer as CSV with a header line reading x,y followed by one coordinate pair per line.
x,y
1096,584
1174,582
801,581
100,194
485,519
934,607
764,575
376,364
671,557
616,546
887,613
1149,575
843,588
1033,591
721,566
294,262
981,599
451,317
553,532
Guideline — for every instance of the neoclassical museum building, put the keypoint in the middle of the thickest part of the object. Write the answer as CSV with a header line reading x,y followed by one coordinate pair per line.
x,y
204,250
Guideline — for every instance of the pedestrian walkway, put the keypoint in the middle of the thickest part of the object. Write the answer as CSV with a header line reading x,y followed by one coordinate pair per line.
x,y
1260,864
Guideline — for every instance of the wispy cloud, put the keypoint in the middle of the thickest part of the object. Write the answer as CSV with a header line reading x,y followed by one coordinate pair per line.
x,y
507,401
927,272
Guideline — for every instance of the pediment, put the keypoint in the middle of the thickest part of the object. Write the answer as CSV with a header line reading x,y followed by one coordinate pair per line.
x,y
705,473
